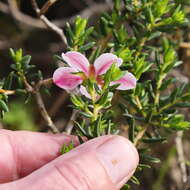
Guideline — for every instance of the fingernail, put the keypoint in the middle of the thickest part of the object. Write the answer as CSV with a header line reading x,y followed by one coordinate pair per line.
x,y
119,158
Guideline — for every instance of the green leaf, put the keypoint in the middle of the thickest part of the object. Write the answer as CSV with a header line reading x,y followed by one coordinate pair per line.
x,y
144,166
69,34
126,54
104,26
86,114
26,60
8,81
103,99
182,104
66,148
117,4
117,74
3,106
166,83
150,158
80,129
131,123
87,46
160,7
150,16
77,101
18,55
98,127
80,25
125,187
135,180
154,35
12,53
154,140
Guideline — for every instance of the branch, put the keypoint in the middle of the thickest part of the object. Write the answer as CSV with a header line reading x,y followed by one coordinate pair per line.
x,y
44,113
35,91
19,16
181,157
140,135
33,22
46,6
70,124
185,45
4,8
48,23
44,83
7,92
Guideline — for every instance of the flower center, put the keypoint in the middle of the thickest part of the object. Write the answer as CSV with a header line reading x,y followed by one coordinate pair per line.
x,y
92,73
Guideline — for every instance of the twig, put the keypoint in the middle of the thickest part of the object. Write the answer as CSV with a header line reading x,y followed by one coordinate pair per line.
x,y
89,2
7,92
44,82
46,6
186,185
70,124
4,8
140,135
35,91
48,23
33,22
181,157
185,45
19,16
44,113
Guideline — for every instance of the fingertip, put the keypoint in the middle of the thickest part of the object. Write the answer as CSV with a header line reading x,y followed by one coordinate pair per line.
x,y
120,159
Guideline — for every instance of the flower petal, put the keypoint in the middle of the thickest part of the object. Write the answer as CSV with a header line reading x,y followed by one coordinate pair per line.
x,y
76,60
64,78
84,92
104,62
128,81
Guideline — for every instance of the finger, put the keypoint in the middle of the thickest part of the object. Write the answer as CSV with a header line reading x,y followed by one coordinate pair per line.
x,y
103,163
23,152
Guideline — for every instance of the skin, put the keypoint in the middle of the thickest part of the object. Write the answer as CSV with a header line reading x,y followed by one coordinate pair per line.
x,y
32,161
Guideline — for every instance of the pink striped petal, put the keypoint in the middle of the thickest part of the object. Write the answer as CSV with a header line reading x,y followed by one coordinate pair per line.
x,y
64,78
84,92
76,60
104,62
128,81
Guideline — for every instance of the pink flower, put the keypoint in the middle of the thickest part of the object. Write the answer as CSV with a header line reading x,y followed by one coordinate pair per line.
x,y
79,70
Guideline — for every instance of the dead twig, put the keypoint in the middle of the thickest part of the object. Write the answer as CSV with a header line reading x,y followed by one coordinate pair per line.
x,y
44,112
181,157
36,92
4,8
140,135
33,22
48,23
70,124
44,82
185,45
19,16
186,186
46,6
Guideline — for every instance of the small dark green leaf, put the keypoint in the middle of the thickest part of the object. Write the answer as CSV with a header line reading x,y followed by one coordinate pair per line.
x,y
150,158
86,46
135,180
8,81
3,106
154,140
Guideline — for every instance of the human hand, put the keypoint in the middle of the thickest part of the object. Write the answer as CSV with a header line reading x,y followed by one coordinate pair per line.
x,y
32,161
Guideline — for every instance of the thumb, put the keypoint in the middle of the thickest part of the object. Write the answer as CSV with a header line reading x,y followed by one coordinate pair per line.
x,y
105,162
